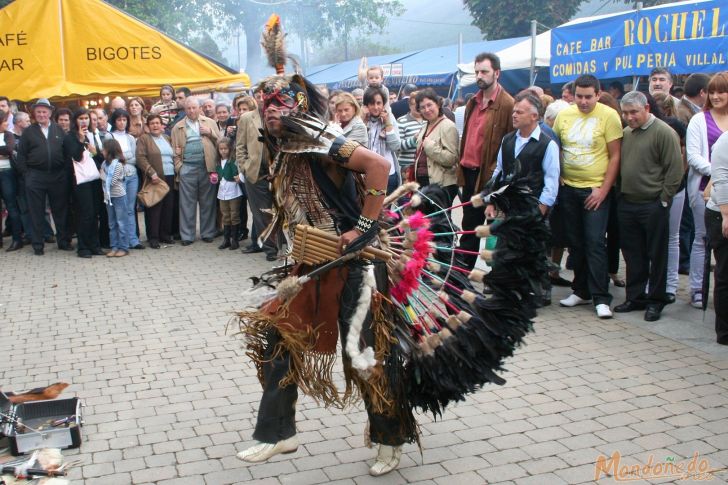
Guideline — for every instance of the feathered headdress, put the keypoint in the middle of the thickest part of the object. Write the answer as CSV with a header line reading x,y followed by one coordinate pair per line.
x,y
273,42
293,92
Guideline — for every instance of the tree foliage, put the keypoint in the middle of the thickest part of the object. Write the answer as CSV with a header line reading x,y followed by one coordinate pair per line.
x,y
316,21
501,20
199,22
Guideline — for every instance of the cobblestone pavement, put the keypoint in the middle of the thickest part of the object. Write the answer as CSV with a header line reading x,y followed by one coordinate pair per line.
x,y
171,398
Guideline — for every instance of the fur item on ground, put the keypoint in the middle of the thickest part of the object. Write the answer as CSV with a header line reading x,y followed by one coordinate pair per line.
x,y
37,394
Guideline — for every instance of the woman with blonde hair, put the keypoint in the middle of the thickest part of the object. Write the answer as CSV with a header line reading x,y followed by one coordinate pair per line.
x,y
348,113
244,103
703,131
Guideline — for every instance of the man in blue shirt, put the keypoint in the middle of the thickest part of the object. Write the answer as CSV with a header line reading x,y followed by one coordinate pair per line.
x,y
535,156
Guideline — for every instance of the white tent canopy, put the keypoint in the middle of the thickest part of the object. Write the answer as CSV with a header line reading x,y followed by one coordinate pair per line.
x,y
517,56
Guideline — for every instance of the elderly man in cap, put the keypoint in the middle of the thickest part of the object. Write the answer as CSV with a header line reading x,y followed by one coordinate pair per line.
x,y
40,161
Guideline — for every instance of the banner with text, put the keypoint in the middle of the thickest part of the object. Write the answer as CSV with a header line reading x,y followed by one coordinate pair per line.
x,y
684,39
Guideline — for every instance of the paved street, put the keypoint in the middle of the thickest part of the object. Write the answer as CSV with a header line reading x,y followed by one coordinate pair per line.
x,y
171,398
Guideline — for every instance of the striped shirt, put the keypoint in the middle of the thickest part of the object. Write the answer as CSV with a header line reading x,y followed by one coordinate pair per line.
x,y
409,127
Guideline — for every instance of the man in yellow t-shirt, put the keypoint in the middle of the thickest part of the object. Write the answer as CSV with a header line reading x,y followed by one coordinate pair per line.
x,y
591,136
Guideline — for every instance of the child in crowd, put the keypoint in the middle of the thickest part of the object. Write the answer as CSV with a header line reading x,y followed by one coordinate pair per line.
x,y
375,79
229,194
112,175
166,107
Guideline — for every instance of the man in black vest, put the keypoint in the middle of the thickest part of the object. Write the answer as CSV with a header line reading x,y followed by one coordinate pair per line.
x,y
538,157
40,161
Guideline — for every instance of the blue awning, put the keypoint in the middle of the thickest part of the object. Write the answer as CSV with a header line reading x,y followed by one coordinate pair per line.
x,y
429,67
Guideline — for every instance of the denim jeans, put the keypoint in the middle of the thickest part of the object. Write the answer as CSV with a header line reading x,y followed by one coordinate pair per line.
x,y
118,222
586,234
9,192
131,183
673,241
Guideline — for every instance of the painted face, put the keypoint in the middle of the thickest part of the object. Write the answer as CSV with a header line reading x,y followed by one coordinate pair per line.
x,y
635,115
429,109
586,98
376,106
485,75
345,112
660,83
272,116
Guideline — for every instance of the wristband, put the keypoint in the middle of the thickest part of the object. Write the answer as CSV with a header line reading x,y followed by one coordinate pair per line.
x,y
342,149
363,224
375,192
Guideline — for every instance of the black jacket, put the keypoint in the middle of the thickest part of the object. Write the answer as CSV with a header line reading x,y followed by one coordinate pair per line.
x,y
38,153
400,108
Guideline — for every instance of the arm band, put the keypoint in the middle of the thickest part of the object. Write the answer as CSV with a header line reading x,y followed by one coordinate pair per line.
x,y
342,149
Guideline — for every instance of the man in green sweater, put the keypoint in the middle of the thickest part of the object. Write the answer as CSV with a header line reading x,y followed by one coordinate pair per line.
x,y
650,175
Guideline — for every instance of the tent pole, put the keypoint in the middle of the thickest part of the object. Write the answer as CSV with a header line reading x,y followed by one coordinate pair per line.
x,y
460,48
534,32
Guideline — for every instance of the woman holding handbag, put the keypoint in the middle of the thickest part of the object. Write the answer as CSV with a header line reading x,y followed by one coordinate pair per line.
x,y
79,153
154,159
438,150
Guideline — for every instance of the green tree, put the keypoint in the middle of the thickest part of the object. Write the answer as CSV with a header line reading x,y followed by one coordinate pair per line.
x,y
204,43
180,19
498,20
313,21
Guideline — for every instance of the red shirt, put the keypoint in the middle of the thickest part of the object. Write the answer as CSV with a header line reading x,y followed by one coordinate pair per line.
x,y
473,148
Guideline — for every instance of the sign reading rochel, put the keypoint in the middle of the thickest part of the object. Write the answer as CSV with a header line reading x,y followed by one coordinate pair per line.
x,y
684,39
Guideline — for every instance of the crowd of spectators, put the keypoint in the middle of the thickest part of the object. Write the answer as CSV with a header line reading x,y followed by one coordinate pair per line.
x,y
644,174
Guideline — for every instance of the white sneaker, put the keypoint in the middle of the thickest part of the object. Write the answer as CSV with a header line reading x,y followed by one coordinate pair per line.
x,y
264,451
603,311
387,460
573,300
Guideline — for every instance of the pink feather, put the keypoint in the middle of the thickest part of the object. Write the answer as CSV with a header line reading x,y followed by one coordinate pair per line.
x,y
409,277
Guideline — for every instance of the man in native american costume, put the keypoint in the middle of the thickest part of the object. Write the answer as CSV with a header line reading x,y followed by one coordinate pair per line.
x,y
336,186
415,332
